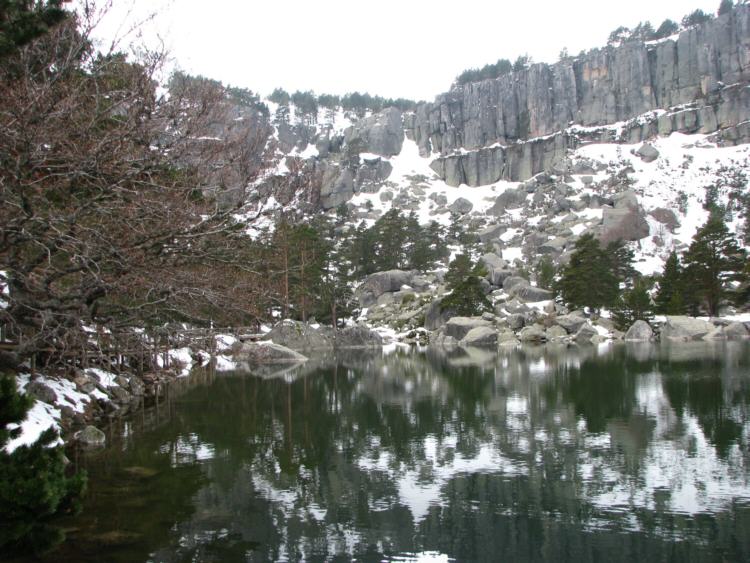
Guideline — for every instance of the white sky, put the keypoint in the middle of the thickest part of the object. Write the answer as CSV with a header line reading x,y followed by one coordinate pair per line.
x,y
393,48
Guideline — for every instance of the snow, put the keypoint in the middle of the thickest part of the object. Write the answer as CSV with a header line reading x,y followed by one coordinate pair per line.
x,y
42,416
511,254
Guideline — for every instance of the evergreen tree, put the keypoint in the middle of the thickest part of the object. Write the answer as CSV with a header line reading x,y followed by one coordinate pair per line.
x,y
467,296
545,273
668,27
34,489
588,280
22,21
620,259
712,262
725,7
669,298
633,305
695,17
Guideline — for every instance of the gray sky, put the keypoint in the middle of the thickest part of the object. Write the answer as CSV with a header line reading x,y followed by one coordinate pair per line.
x,y
394,48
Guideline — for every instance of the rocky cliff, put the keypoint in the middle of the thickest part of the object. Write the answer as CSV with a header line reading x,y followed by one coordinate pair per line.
x,y
519,124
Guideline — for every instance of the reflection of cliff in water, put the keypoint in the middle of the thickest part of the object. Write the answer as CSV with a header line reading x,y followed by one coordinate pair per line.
x,y
544,453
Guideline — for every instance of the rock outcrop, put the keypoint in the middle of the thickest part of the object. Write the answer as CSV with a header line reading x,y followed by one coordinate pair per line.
x,y
299,336
259,353
518,125
685,328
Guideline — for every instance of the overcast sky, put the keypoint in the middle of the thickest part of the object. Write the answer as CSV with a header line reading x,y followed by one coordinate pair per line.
x,y
394,48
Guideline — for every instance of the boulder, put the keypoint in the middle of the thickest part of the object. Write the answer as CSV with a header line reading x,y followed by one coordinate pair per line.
x,y
357,337
480,336
640,331
571,323
509,199
435,316
516,321
627,223
41,392
556,332
586,333
554,246
647,152
379,283
533,333
491,233
530,294
91,437
685,328
499,275
257,353
459,327
492,261
299,336
736,331
512,281
461,206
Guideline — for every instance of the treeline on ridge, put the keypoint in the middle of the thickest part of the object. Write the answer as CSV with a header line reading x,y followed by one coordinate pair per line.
x,y
644,31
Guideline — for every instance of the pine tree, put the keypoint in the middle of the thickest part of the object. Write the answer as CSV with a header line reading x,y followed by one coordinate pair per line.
x,y
620,259
669,299
588,280
545,273
34,489
22,21
464,280
712,262
725,7
633,305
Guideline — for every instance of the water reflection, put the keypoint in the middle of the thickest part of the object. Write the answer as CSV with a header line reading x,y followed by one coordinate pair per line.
x,y
548,453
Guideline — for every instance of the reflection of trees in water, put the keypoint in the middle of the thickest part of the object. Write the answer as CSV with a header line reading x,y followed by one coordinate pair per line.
x,y
506,457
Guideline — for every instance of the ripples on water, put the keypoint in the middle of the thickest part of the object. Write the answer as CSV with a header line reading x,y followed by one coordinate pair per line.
x,y
550,453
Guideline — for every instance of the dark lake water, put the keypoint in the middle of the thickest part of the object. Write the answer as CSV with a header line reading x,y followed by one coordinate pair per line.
x,y
610,453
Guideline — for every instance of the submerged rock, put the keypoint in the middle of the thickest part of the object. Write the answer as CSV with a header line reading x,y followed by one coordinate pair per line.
x,y
91,437
299,336
357,337
268,353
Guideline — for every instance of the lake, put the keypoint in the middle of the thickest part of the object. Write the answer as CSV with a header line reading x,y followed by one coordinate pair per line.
x,y
608,453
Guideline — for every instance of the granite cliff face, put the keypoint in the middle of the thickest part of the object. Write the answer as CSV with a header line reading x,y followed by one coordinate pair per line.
x,y
520,124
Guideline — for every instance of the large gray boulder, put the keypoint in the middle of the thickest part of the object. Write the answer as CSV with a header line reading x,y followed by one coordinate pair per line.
x,y
91,437
685,328
42,392
640,331
299,336
379,283
257,353
736,331
459,327
461,206
571,323
647,152
626,223
530,294
509,199
513,281
533,333
436,316
480,336
381,133
357,337
586,333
